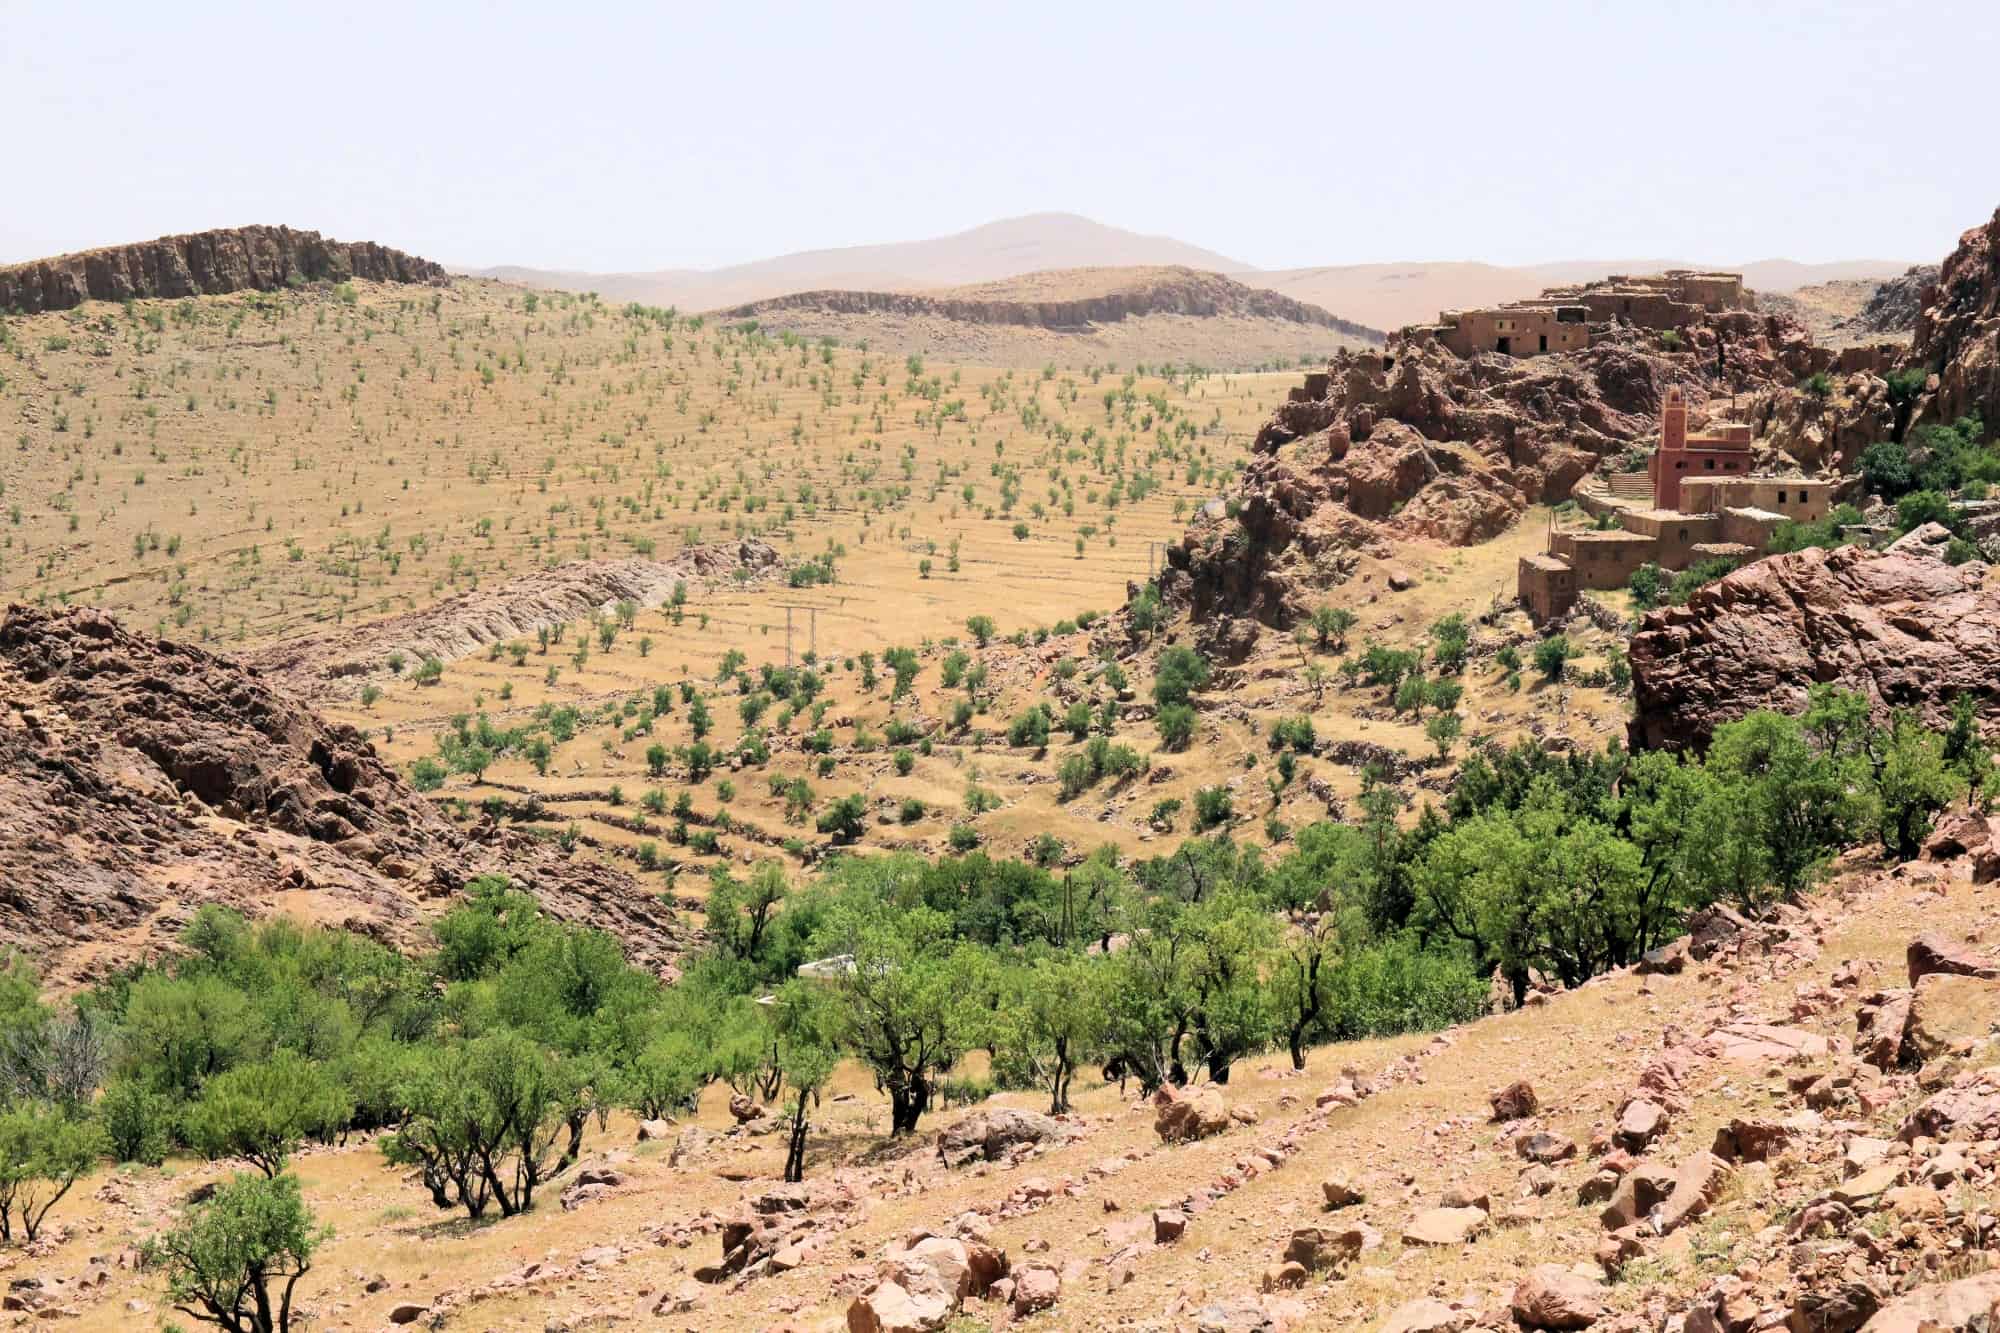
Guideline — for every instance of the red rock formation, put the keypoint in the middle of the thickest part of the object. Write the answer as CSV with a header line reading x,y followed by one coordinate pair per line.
x,y
205,263
1906,630
1958,332
140,778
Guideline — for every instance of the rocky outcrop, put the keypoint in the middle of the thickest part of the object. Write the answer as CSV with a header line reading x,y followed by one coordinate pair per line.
x,y
1168,291
1958,334
1907,631
1419,443
204,263
1895,305
513,611
141,778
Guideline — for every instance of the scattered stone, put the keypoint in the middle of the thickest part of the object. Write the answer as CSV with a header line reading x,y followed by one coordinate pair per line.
x,y
1341,1191
1426,1316
1545,1147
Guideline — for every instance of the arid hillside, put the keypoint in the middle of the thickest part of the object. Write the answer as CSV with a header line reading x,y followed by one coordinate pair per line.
x,y
1074,317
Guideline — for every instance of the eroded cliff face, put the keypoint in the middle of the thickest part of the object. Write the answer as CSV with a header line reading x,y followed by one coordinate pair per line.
x,y
1177,292
1906,630
141,778
206,263
1958,333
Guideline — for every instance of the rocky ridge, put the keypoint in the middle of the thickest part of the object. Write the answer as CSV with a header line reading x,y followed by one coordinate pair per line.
x,y
1958,332
1173,290
206,263
141,778
1905,629
515,610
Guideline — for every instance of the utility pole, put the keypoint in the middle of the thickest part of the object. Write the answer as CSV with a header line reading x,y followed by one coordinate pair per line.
x,y
812,630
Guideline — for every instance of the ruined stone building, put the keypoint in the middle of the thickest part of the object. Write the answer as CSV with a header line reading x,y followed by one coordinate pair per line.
x,y
1559,320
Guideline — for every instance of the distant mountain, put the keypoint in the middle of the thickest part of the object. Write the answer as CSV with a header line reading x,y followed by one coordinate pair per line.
x,y
1381,296
998,250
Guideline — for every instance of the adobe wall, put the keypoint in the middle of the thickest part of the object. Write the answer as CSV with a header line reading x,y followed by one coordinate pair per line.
x,y
1603,559
1750,527
1529,331
1674,535
1795,498
1546,586
1672,469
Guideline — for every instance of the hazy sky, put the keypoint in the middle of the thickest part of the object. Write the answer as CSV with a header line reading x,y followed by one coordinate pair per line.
x,y
639,136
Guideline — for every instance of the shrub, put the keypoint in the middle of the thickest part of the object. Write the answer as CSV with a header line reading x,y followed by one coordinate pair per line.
x,y
1176,725
1552,655
1029,728
1213,806
1295,733
1180,672
963,838
845,818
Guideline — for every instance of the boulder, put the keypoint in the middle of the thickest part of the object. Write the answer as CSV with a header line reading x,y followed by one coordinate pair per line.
x,y
1666,961
991,1133
1341,1190
1516,1101
1036,1288
1931,953
1445,1226
1184,1115
1639,1124
891,1307
1552,1296
1169,1224
1637,1193
652,1131
1697,1184
1879,1027
1950,1009
947,1261
1969,1305
1968,1109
